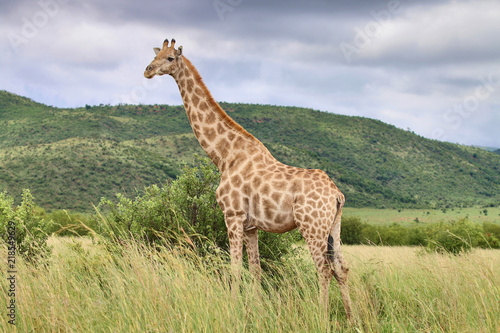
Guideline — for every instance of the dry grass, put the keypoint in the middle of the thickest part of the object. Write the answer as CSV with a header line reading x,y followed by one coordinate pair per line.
x,y
88,288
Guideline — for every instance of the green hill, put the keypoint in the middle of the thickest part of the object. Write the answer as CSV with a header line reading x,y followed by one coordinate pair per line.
x,y
70,158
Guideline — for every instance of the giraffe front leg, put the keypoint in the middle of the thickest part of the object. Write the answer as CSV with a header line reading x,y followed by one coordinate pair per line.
x,y
251,238
234,223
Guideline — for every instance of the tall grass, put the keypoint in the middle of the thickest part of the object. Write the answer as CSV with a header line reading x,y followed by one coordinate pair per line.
x,y
404,290
88,287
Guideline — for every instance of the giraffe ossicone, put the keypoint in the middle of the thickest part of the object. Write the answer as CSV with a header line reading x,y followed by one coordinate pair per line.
x,y
257,192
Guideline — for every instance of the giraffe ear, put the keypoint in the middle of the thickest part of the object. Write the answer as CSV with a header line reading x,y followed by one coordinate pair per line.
x,y
157,50
179,51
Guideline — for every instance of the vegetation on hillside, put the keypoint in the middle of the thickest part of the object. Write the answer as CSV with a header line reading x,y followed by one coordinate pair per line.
x,y
70,158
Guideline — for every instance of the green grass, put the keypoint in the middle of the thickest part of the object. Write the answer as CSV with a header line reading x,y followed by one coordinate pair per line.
x,y
86,288
408,217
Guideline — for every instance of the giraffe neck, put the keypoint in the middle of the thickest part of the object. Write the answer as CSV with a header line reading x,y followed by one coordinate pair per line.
x,y
224,141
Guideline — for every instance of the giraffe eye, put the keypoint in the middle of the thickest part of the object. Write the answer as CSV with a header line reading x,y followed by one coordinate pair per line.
x,y
170,59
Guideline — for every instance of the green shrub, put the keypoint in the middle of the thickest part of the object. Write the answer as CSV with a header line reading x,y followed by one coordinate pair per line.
x,y
453,237
65,223
186,206
351,231
394,234
491,236
445,237
24,226
370,235
416,237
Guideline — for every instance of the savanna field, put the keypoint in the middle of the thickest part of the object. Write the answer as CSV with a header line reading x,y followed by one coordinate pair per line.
x,y
86,286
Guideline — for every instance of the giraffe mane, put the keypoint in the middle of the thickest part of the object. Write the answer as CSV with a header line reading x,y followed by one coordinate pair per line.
x,y
224,116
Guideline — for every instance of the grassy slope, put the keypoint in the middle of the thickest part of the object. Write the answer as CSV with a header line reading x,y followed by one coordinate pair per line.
x,y
72,157
86,288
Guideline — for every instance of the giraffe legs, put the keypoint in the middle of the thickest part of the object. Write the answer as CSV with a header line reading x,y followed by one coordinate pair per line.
x,y
251,238
252,246
235,233
318,251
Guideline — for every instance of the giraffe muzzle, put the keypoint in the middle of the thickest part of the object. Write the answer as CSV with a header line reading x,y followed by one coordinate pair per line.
x,y
148,73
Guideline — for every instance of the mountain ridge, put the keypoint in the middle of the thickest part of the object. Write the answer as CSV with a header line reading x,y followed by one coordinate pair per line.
x,y
70,157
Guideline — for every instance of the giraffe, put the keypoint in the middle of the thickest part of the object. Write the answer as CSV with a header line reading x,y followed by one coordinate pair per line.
x,y
256,191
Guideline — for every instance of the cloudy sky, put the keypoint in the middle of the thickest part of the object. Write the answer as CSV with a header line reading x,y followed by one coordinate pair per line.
x,y
429,66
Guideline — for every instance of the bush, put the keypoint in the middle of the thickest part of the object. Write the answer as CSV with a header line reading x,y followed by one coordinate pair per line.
x,y
445,237
453,237
417,237
491,236
393,235
351,231
184,210
30,230
65,223
186,206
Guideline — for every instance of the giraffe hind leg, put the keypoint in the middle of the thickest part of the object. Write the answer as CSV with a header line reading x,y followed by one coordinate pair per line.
x,y
339,267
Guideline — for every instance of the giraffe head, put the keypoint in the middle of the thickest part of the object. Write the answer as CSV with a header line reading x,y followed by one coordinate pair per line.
x,y
168,60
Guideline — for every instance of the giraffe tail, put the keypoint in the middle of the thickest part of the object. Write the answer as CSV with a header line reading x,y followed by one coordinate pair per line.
x,y
330,252
335,232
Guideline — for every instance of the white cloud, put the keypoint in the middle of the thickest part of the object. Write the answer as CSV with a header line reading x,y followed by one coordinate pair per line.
x,y
448,33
